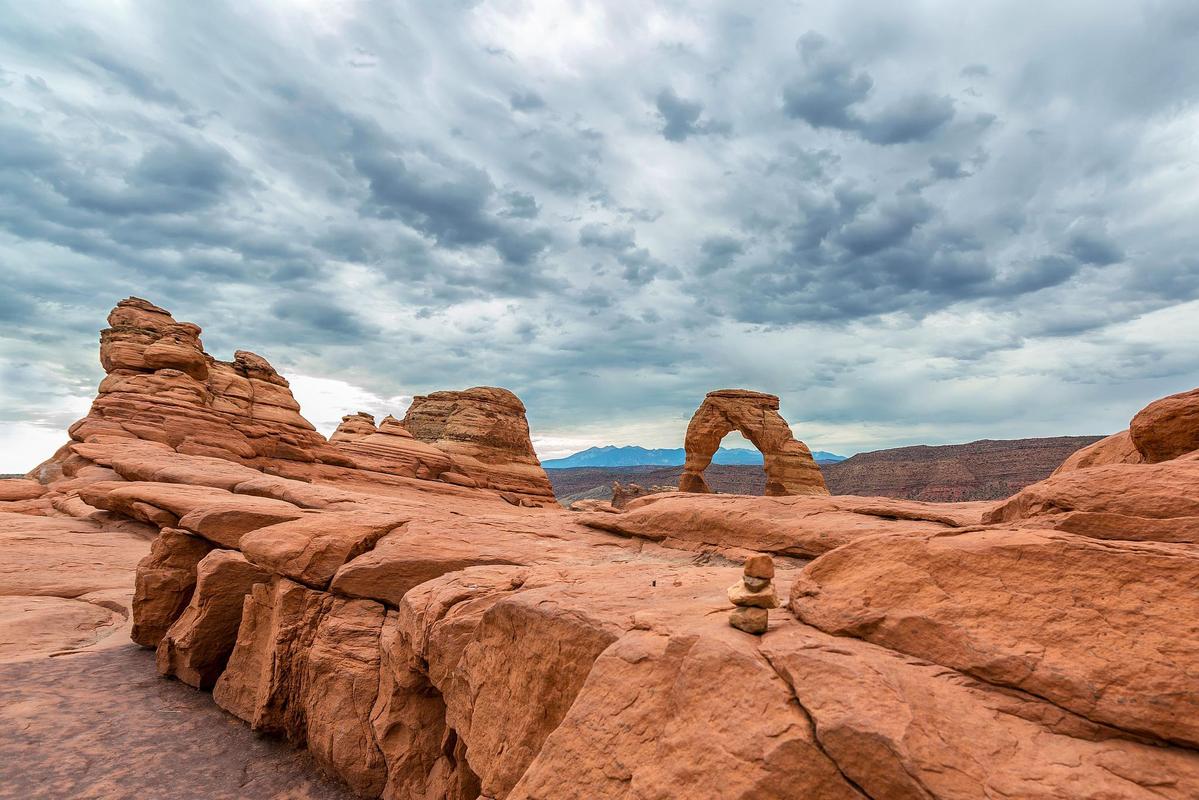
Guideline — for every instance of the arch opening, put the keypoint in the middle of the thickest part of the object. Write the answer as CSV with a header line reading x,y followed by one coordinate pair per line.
x,y
787,462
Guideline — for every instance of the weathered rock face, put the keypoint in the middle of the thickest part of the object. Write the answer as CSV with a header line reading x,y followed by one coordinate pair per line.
x,y
485,432
198,644
162,387
354,427
263,681
165,581
790,468
1105,629
1167,428
390,448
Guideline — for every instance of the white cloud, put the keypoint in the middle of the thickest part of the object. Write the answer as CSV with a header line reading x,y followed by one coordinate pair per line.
x,y
324,401
24,445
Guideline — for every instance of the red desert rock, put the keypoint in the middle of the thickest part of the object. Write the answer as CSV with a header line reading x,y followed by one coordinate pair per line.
x,y
485,432
790,468
1167,428
198,644
165,581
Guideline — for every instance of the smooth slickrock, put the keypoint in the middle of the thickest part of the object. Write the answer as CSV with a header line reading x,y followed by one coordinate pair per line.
x,y
311,549
792,526
338,691
1167,428
225,521
904,729
1148,502
1115,449
681,715
33,627
262,680
14,489
485,432
197,646
1106,629
790,468
165,581
64,557
423,550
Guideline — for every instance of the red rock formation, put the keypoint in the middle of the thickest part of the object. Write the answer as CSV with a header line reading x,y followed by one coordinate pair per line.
x,y
623,494
161,386
1167,428
424,639
354,427
790,468
1115,449
485,432
390,448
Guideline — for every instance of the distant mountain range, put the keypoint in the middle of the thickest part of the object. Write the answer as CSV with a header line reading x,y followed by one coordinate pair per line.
x,y
982,470
633,456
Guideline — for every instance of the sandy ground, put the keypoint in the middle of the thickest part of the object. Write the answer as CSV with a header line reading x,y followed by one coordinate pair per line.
x,y
102,724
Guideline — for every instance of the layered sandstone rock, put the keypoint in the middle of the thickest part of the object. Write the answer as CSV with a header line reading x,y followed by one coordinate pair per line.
x,y
485,432
354,427
790,468
166,579
161,386
197,645
390,448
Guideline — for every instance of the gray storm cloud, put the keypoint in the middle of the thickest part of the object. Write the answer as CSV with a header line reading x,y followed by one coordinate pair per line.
x,y
911,231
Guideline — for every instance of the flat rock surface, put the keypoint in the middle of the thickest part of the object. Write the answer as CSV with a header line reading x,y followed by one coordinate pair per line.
x,y
103,725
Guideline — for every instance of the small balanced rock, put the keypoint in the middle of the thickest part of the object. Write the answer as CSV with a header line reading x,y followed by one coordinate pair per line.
x,y
754,595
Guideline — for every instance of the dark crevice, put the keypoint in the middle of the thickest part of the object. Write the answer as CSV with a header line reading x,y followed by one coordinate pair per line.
x,y
811,720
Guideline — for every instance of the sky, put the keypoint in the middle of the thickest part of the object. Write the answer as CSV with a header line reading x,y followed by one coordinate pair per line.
x,y
924,222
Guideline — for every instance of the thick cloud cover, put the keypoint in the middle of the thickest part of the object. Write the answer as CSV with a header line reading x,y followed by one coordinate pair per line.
x,y
916,224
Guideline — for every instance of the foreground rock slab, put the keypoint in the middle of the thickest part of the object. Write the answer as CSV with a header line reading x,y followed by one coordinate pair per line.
x,y
1108,630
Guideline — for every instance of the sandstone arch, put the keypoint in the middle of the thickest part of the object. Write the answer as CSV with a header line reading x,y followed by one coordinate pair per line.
x,y
790,468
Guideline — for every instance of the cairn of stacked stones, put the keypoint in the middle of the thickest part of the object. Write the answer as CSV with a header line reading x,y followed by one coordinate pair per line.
x,y
754,595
